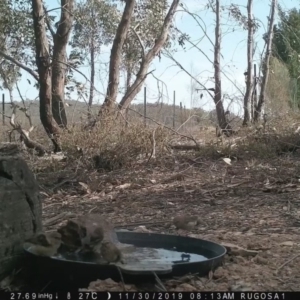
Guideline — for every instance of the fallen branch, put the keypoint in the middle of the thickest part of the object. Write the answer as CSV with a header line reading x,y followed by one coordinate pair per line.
x,y
185,147
54,219
24,134
287,262
159,282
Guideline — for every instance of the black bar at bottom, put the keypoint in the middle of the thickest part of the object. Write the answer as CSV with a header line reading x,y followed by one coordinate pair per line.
x,y
150,295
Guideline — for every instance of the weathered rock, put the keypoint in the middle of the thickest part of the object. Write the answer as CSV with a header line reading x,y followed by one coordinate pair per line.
x,y
20,209
10,149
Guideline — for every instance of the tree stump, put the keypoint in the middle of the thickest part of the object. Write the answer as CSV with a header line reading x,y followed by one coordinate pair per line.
x,y
20,210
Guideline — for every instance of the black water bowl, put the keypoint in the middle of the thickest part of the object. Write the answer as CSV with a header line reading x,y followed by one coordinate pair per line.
x,y
166,255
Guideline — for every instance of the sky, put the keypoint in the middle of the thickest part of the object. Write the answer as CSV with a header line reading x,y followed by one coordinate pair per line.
x,y
171,77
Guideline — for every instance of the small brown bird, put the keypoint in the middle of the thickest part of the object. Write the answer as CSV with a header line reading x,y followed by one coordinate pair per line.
x,y
83,234
70,235
93,236
44,244
110,252
185,222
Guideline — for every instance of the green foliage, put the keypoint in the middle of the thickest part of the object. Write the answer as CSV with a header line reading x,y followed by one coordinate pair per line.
x,y
96,23
286,35
95,26
16,36
279,90
148,20
235,13
286,43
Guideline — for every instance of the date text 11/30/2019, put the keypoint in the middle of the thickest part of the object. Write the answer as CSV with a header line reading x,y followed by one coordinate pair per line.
x,y
152,296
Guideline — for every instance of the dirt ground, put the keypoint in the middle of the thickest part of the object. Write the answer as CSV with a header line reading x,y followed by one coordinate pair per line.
x,y
252,204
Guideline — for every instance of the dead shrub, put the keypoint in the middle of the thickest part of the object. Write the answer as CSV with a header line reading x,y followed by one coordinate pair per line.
x,y
278,137
111,145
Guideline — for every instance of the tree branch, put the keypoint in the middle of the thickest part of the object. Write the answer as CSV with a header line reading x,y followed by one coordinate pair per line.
x,y
194,16
188,73
139,39
115,57
19,64
134,89
48,23
24,134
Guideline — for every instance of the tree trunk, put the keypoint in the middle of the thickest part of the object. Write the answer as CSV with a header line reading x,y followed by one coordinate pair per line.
x,y
128,83
266,63
135,88
249,83
11,97
218,87
115,57
59,62
254,94
92,79
128,78
44,69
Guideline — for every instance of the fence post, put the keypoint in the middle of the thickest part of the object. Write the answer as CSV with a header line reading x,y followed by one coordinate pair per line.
x,y
174,100
3,109
181,116
254,95
145,106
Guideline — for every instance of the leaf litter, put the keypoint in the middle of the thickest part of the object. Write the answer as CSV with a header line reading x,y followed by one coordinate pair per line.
x,y
252,208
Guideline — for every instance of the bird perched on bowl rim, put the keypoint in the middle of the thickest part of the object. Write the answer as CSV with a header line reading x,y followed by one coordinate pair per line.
x,y
43,244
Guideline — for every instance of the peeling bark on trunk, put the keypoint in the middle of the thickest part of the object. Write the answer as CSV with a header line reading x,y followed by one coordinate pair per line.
x,y
115,58
218,87
249,83
128,79
92,79
11,95
58,62
135,88
44,69
128,83
266,63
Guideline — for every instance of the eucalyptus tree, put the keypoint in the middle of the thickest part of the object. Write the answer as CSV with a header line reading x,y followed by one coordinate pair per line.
x,y
146,25
266,62
14,41
94,27
224,125
151,31
249,80
141,34
286,45
44,48
251,24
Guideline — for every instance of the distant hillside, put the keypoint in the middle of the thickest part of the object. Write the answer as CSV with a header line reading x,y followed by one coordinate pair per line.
x,y
160,112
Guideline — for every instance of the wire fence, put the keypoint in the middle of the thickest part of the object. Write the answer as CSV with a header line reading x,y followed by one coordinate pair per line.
x,y
174,115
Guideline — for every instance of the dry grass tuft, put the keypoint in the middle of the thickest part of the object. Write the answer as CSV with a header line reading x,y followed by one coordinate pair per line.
x,y
278,136
111,144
